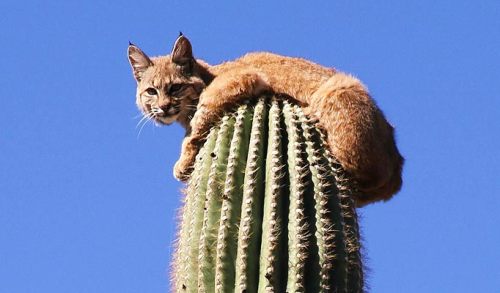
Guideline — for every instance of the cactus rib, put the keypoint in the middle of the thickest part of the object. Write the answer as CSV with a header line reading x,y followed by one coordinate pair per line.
x,y
247,265
231,202
213,202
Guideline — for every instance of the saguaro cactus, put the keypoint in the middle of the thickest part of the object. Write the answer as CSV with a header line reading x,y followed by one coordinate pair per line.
x,y
267,209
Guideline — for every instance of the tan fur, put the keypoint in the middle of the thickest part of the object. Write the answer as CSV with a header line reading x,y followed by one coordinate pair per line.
x,y
357,132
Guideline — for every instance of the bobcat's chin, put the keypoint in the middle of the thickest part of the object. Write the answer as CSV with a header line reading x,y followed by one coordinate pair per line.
x,y
166,120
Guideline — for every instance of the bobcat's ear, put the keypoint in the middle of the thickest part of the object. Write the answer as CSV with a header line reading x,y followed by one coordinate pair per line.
x,y
182,54
138,60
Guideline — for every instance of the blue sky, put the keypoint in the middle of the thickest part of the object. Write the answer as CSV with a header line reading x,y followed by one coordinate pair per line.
x,y
87,206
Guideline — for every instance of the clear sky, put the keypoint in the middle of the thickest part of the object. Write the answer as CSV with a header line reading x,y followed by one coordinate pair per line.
x,y
88,206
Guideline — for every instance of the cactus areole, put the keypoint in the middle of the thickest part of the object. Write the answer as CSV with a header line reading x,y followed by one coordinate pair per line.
x,y
267,209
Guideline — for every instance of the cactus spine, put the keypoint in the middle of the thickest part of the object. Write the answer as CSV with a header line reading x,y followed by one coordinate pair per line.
x,y
267,209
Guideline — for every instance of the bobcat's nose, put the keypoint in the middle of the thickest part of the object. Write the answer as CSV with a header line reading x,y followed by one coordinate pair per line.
x,y
165,106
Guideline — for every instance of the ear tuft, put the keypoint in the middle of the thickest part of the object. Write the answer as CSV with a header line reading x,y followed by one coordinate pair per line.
x,y
138,60
182,53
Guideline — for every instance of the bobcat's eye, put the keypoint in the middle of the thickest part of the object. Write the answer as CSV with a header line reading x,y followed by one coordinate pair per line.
x,y
151,91
173,88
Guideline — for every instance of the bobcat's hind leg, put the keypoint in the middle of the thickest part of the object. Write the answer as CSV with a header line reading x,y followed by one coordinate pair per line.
x,y
227,91
358,136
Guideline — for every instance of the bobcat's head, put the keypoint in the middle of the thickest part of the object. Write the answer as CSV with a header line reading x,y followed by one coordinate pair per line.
x,y
168,87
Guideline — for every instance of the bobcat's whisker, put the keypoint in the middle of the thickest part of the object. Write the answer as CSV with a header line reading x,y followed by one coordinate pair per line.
x,y
145,116
145,122
137,116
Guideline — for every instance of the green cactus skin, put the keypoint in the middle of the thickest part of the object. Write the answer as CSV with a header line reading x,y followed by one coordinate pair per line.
x,y
268,209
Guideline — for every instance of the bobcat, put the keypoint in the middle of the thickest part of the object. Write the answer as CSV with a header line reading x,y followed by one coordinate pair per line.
x,y
178,87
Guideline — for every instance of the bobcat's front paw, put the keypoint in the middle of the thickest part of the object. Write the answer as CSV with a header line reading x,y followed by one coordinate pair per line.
x,y
185,165
183,170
